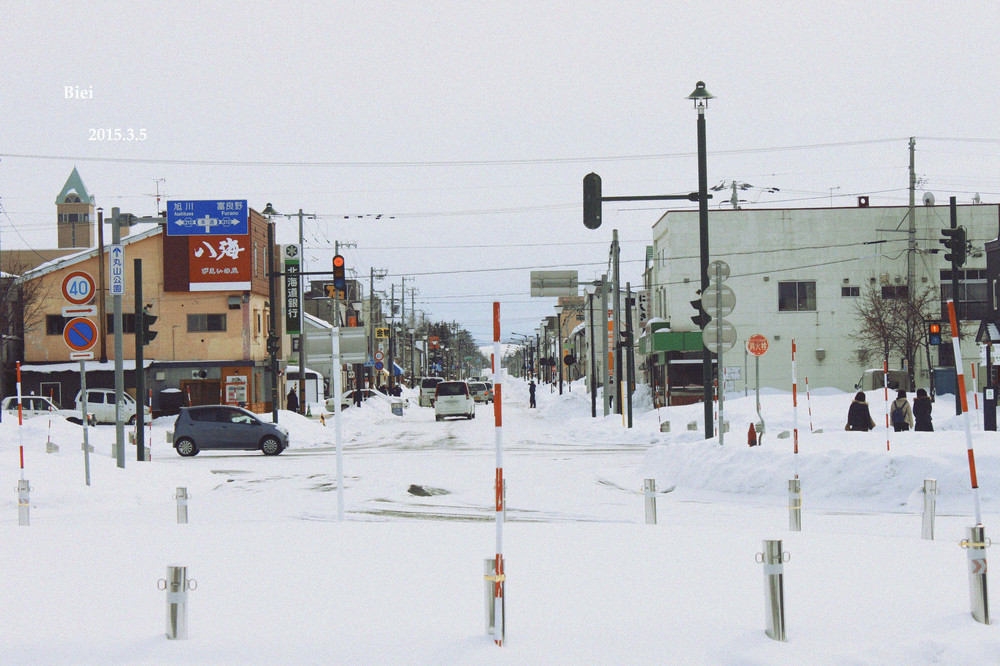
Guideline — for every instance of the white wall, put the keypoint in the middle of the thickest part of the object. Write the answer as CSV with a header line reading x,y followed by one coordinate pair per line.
x,y
835,247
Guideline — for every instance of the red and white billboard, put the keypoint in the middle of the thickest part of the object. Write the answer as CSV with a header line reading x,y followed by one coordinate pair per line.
x,y
220,262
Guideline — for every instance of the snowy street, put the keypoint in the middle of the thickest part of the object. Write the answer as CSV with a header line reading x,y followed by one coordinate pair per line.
x,y
280,580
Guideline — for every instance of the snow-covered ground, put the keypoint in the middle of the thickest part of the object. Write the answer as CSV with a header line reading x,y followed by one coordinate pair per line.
x,y
280,580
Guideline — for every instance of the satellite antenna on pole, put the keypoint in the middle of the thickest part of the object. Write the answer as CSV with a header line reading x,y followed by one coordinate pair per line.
x,y
928,198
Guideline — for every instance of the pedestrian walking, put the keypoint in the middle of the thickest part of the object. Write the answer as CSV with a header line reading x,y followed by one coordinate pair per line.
x,y
292,401
922,411
858,416
531,393
900,414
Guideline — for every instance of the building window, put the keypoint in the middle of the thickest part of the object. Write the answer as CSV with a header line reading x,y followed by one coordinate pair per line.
x,y
206,322
971,304
894,291
796,297
850,292
54,324
128,323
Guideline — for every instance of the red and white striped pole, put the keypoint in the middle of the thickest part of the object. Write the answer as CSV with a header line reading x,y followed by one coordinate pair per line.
x,y
965,408
809,407
885,383
498,574
20,419
975,390
795,485
795,409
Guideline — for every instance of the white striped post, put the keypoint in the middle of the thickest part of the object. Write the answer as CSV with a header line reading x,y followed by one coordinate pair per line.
x,y
975,544
498,571
809,407
885,385
795,485
975,391
23,487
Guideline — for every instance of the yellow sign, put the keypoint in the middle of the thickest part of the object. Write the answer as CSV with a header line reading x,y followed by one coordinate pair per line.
x,y
381,332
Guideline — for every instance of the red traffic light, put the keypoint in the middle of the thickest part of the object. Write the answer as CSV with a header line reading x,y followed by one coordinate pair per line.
x,y
338,261
339,279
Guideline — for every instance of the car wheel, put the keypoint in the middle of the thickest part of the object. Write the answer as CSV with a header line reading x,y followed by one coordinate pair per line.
x,y
270,446
131,421
186,447
437,417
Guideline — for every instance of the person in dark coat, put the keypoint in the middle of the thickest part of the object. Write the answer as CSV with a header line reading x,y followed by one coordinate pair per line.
x,y
858,416
900,413
531,393
292,402
922,411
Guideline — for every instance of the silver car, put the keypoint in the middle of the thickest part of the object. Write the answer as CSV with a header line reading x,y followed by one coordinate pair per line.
x,y
225,427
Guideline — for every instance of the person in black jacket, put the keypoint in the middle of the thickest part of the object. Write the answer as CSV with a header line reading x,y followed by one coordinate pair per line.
x,y
922,411
858,416
292,401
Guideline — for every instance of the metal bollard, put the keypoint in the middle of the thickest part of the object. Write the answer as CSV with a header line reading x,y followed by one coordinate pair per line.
x,y
489,565
649,490
795,505
182,505
177,585
975,544
930,505
23,503
774,587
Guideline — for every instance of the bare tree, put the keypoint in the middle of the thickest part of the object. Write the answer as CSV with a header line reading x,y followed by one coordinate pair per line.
x,y
894,325
20,312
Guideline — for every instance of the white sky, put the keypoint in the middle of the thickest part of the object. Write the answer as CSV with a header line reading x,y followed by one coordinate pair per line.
x,y
473,124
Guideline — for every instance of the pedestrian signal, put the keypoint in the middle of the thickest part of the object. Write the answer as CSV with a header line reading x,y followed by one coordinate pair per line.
x,y
933,333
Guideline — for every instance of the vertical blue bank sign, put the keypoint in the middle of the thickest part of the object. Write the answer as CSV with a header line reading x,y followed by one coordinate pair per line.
x,y
200,218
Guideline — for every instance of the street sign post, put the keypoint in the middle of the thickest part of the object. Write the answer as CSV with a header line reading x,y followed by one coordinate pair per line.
x,y
757,345
117,275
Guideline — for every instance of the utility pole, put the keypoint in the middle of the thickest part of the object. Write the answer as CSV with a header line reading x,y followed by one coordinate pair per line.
x,y
616,306
605,357
116,239
302,320
102,317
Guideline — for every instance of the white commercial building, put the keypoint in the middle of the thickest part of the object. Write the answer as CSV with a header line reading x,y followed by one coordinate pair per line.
x,y
798,274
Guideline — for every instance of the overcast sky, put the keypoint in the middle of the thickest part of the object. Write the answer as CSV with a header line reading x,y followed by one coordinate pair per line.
x,y
468,126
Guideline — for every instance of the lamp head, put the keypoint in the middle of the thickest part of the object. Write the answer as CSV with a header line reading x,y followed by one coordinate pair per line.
x,y
700,96
269,210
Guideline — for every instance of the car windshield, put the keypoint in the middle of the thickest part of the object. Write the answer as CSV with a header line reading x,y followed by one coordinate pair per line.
x,y
430,382
477,387
452,388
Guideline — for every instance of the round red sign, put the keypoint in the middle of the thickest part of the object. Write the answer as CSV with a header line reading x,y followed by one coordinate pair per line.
x,y
757,344
78,287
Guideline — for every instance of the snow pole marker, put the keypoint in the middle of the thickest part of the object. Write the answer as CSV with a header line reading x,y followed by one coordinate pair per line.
x,y
975,543
23,487
885,383
975,390
795,484
498,578
809,406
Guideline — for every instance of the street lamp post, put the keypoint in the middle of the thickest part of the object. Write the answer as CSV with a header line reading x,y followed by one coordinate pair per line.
x,y
700,96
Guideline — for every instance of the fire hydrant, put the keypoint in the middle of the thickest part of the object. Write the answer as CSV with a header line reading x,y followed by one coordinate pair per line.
x,y
752,436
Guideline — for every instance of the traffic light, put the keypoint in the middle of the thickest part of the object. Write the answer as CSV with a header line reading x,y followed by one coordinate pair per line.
x,y
702,318
272,344
591,201
933,333
339,280
954,240
146,321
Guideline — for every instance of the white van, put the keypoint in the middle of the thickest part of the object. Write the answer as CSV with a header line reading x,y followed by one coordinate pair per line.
x,y
427,386
101,403
453,399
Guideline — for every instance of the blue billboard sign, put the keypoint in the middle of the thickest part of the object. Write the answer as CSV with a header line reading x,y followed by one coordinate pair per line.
x,y
200,218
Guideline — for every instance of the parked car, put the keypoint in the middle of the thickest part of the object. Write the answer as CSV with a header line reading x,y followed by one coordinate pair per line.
x,y
205,427
427,386
347,400
101,403
453,399
36,405
489,391
478,391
